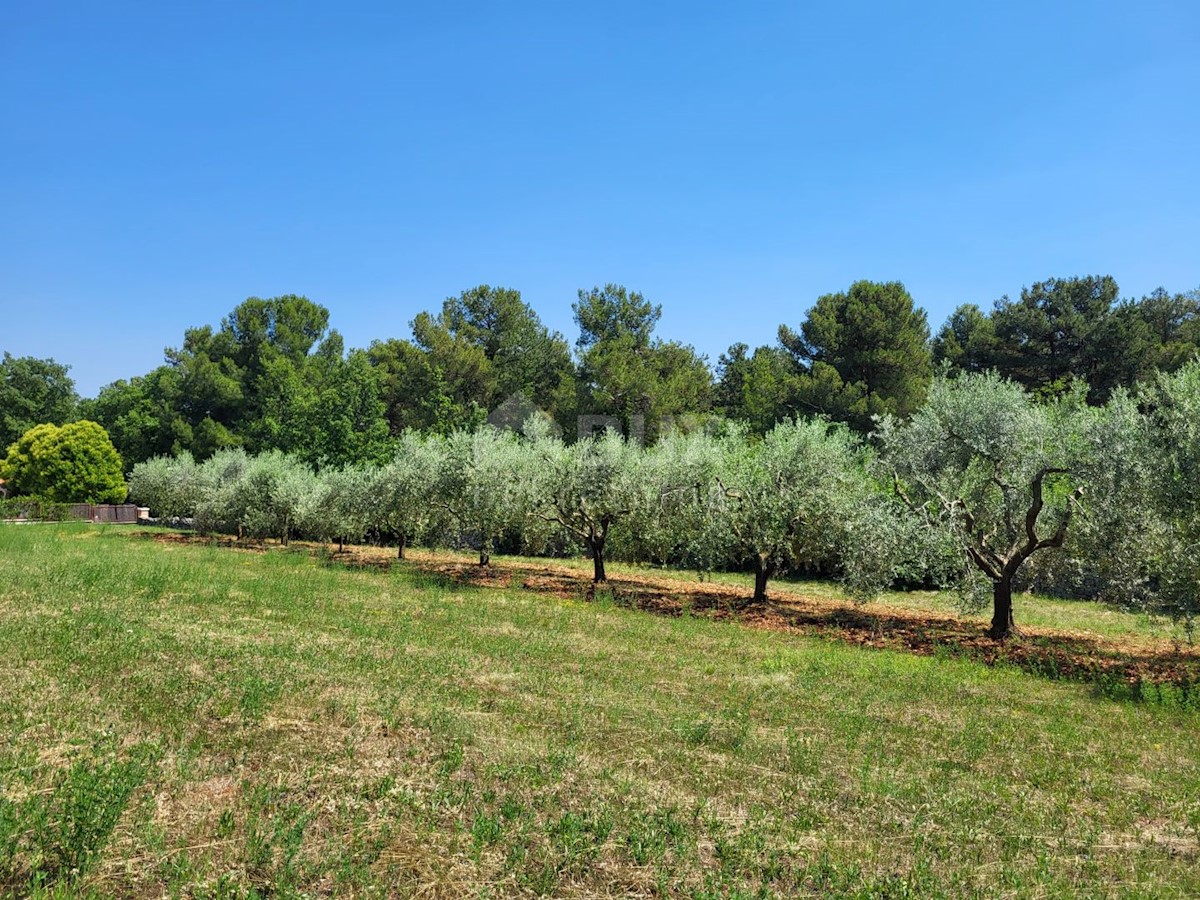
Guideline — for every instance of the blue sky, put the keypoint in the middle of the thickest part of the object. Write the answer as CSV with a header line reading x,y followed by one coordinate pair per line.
x,y
731,161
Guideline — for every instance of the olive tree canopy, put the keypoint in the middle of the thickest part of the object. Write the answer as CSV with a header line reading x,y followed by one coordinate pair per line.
x,y
1001,473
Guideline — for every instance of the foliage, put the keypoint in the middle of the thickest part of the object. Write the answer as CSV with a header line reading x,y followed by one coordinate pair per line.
x,y
625,373
506,343
33,392
220,475
785,502
584,488
339,504
479,485
668,521
171,487
144,418
74,463
757,388
861,354
1173,474
268,497
1064,331
34,510
415,393
403,489
984,462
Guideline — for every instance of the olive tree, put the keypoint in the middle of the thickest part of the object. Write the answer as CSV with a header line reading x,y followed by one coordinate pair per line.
x,y
1118,533
338,504
403,489
170,486
1172,447
478,484
786,500
983,461
261,495
217,507
668,520
275,486
584,488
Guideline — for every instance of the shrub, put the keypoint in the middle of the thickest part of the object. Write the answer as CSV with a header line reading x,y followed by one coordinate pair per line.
x,y
75,463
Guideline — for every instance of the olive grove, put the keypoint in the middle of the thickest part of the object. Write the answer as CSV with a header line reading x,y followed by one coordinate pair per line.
x,y
985,488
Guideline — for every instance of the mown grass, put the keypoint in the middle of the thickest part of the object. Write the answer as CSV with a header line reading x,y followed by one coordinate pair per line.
x,y
189,721
1088,617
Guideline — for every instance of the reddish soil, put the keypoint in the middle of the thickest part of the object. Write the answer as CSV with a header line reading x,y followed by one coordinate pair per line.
x,y
1124,668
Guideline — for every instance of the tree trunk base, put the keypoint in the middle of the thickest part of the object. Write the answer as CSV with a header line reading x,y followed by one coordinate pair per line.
x,y
1003,634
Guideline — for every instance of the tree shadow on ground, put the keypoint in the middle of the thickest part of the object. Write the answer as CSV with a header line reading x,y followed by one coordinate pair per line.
x,y
1117,670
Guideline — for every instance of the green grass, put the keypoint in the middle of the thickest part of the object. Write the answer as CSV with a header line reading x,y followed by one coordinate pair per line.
x,y
189,721
1095,618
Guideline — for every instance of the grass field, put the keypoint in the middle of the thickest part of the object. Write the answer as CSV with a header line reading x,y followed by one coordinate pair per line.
x,y
1099,619
183,720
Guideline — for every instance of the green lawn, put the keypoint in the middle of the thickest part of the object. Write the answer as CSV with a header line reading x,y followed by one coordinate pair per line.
x,y
192,721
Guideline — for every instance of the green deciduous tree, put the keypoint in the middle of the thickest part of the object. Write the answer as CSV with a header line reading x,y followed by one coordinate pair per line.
x,y
33,392
522,355
143,417
415,394
755,388
73,463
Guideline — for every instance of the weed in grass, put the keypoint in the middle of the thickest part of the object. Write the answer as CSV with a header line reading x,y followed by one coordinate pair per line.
x,y
54,836
257,695
649,835
486,829
275,826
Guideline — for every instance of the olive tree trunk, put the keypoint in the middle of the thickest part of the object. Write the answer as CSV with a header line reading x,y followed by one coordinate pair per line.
x,y
1003,625
596,545
763,570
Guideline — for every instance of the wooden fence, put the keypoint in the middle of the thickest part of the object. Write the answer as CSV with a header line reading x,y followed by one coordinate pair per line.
x,y
26,510
119,514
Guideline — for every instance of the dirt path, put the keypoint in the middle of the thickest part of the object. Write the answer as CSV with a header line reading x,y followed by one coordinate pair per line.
x,y
1121,668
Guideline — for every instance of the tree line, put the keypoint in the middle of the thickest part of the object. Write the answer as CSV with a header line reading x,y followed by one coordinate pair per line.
x,y
273,375
985,489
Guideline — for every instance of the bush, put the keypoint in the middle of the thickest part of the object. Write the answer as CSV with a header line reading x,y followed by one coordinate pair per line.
x,y
75,463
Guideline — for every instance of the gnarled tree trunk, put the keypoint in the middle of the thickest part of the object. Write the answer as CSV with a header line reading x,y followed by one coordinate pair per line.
x,y
764,568
597,548
400,546
1003,625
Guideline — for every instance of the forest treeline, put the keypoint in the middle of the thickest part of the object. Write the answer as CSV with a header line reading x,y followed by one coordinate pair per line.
x,y
274,375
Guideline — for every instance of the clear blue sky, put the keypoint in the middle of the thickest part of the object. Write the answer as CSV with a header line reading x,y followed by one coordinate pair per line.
x,y
731,161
